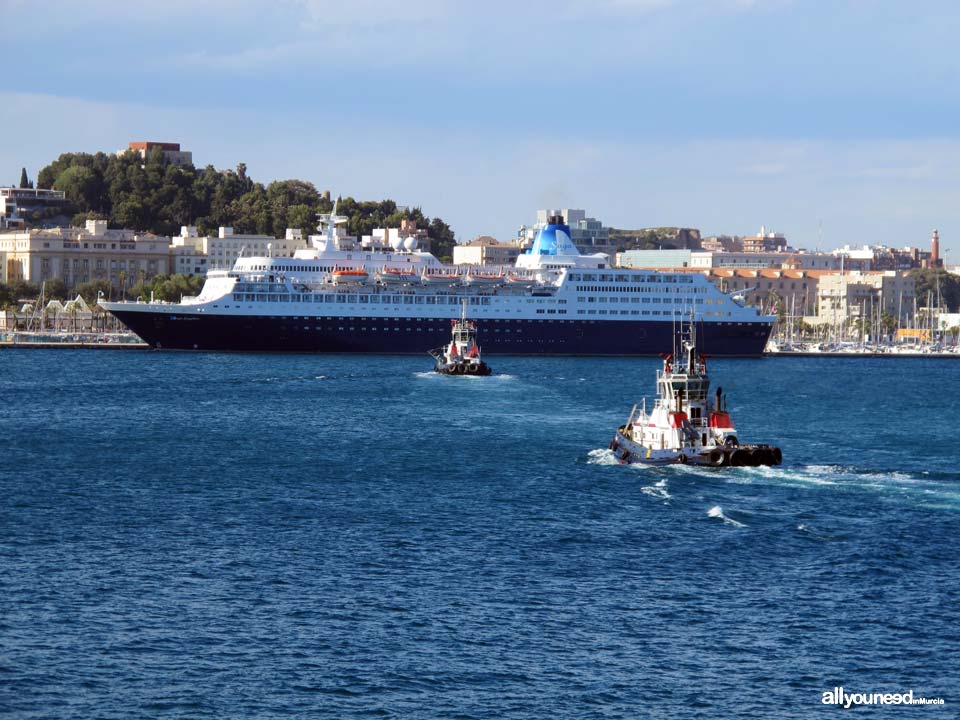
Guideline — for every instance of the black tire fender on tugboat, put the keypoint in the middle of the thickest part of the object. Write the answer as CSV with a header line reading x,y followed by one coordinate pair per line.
x,y
777,456
682,459
716,457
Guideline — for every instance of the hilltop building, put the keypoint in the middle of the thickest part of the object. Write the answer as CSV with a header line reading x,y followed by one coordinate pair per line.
x,y
171,151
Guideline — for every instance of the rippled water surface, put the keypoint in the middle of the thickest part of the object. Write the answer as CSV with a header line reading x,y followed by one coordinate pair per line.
x,y
205,535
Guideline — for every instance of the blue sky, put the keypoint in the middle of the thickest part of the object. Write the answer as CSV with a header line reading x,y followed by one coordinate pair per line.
x,y
722,114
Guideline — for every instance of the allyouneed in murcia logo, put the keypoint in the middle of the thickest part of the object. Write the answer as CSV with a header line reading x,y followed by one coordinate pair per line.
x,y
837,696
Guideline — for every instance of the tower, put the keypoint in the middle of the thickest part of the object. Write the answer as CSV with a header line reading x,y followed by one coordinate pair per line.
x,y
935,250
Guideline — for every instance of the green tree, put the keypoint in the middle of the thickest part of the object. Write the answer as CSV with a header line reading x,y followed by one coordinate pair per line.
x,y
55,289
928,280
172,288
130,213
888,323
80,219
302,217
90,291
81,186
24,180
442,239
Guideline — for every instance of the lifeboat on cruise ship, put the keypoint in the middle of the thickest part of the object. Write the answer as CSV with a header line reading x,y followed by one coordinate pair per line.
x,y
349,276
439,277
478,278
521,280
397,276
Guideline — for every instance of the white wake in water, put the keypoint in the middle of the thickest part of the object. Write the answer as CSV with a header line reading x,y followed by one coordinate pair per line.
x,y
657,490
838,478
717,512
602,457
489,378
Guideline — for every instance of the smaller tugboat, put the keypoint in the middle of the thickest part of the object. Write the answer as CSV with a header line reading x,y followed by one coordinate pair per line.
x,y
462,355
685,425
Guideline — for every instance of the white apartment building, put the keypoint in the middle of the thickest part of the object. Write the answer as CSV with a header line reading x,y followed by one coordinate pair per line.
x,y
194,255
859,294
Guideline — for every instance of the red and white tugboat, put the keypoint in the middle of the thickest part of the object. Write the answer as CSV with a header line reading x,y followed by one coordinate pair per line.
x,y
685,425
462,355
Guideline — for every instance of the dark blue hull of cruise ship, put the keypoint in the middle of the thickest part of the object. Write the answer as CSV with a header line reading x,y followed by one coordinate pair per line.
x,y
417,335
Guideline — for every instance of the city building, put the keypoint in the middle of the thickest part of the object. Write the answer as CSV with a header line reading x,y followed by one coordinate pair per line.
x,y
171,151
588,234
721,243
792,260
880,257
77,255
194,255
654,259
847,295
394,238
793,291
19,205
485,250
765,242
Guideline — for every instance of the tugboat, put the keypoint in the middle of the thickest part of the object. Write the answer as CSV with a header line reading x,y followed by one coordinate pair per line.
x,y
462,355
685,425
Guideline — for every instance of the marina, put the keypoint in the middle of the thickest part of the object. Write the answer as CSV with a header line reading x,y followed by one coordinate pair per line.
x,y
54,340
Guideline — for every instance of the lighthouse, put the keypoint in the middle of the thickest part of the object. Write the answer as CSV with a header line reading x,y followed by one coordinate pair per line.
x,y
935,249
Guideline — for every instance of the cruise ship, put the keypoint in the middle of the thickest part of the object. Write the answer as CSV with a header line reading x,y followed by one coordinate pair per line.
x,y
337,297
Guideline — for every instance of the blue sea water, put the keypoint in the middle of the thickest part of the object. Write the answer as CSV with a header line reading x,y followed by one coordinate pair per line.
x,y
256,536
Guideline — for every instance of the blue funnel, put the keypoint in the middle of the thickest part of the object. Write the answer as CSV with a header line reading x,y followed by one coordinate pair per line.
x,y
554,239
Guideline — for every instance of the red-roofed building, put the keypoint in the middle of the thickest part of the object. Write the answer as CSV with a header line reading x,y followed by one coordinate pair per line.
x,y
171,151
